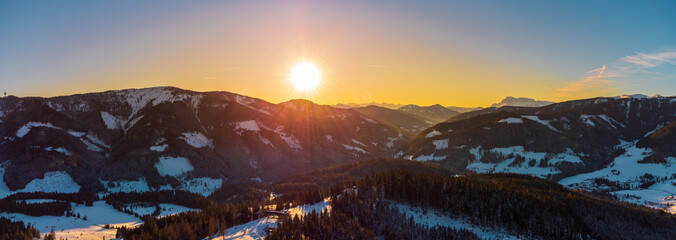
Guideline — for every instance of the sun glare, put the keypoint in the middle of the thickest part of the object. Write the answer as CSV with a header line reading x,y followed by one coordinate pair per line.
x,y
305,76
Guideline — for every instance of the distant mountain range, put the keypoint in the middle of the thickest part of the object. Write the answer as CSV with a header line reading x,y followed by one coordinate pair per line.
x,y
358,105
508,101
411,119
520,102
170,138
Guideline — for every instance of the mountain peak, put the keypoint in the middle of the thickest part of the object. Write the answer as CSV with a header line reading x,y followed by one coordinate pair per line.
x,y
520,102
633,96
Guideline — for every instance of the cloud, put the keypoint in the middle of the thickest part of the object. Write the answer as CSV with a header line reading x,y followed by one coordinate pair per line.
x,y
651,60
630,74
597,83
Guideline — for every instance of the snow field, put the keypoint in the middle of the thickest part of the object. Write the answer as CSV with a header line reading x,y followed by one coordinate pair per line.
x,y
51,182
197,140
76,228
173,166
255,230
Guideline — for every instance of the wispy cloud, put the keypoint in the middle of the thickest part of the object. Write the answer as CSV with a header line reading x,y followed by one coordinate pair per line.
x,y
651,60
597,82
629,74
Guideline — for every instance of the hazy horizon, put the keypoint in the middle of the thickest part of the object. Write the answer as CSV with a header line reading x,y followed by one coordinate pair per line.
x,y
340,103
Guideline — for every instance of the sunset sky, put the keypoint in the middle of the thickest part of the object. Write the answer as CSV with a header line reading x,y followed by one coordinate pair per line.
x,y
461,53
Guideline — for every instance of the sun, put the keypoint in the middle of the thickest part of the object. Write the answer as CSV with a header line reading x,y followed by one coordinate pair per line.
x,y
305,76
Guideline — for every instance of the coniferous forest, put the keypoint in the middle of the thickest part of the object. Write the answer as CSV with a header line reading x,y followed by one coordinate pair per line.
x,y
17,230
524,206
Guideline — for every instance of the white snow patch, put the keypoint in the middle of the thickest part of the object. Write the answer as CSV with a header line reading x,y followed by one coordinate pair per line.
x,y
159,148
328,138
76,133
660,195
204,186
624,169
633,96
249,125
58,149
256,229
76,228
587,119
90,145
247,101
353,148
511,120
302,210
358,142
173,166
111,121
476,152
289,139
370,120
441,144
93,139
4,189
59,182
23,130
547,123
197,140
130,123
568,156
432,133
265,141
431,157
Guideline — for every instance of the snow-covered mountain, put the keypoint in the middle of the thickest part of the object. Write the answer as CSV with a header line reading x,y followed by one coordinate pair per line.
x,y
520,102
626,141
165,137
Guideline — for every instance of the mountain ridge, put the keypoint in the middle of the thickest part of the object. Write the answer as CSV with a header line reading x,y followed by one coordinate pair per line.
x,y
216,135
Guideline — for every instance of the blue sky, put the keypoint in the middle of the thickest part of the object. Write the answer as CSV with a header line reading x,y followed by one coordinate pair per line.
x,y
450,52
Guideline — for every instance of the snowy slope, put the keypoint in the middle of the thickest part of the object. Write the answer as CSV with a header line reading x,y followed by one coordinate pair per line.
x,y
626,170
255,230
76,228
173,166
51,182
